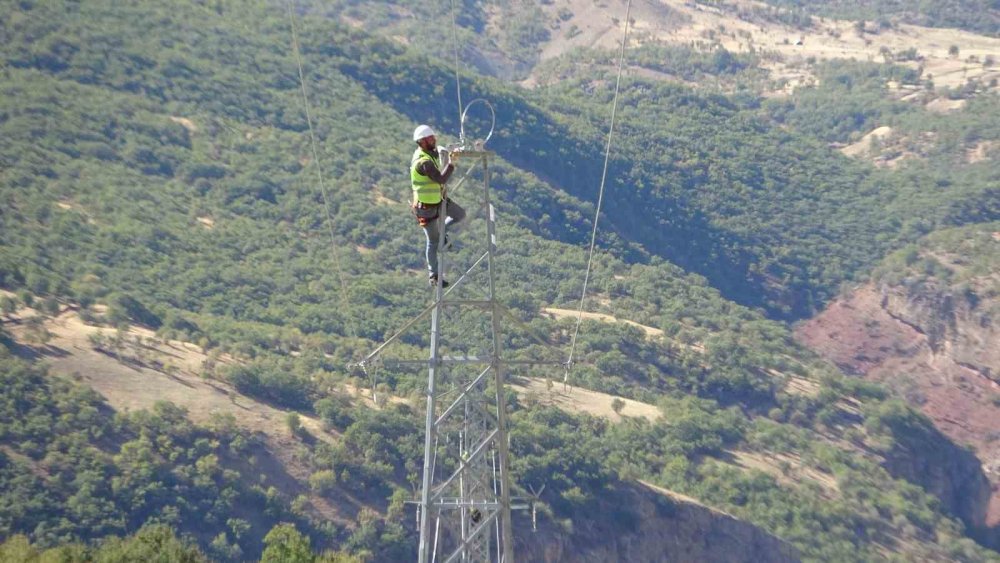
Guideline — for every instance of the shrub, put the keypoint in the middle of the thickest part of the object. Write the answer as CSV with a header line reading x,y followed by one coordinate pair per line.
x,y
323,481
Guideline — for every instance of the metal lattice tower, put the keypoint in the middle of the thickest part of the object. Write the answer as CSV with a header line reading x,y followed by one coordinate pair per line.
x,y
465,499
465,503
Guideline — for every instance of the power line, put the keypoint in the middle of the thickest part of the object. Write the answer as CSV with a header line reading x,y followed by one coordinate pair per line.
x,y
458,83
319,167
600,194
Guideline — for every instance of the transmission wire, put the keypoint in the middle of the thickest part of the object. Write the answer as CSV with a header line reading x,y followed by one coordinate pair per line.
x,y
458,83
319,166
600,195
352,331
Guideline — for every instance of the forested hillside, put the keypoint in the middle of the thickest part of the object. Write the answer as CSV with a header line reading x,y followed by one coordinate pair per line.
x,y
156,171
770,216
928,316
73,470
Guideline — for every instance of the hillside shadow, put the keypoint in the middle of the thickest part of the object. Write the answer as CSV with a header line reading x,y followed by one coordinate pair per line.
x,y
35,353
530,139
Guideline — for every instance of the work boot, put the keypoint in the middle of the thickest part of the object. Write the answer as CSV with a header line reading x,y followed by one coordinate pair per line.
x,y
447,246
433,280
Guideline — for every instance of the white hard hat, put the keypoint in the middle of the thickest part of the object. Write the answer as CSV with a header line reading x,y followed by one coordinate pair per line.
x,y
422,131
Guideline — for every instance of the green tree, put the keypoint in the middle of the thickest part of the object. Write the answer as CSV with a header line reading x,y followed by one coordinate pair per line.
x,y
617,404
223,549
8,305
338,557
323,481
155,543
26,298
18,548
294,422
238,527
36,332
285,544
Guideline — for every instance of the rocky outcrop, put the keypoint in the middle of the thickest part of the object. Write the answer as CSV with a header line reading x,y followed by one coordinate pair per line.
x,y
928,326
924,456
957,321
639,522
906,340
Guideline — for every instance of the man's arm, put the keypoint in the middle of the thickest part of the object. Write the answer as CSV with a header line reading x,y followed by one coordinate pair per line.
x,y
428,169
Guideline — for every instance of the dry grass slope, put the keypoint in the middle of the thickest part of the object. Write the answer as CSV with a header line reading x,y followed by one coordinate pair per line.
x,y
682,22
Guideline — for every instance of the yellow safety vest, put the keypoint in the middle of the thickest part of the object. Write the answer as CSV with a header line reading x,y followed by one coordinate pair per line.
x,y
427,190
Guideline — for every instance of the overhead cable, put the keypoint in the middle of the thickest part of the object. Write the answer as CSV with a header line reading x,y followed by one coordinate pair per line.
x,y
458,83
600,194
319,168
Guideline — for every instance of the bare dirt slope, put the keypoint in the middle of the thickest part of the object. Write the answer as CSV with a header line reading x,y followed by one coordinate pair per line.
x,y
579,400
147,369
596,24
787,469
864,143
885,147
168,371
557,313
864,334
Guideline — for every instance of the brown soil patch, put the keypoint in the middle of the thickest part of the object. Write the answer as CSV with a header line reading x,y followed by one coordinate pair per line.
x,y
185,123
375,400
66,205
683,22
883,149
557,313
894,162
381,198
944,105
591,25
981,151
577,399
131,385
673,495
801,386
864,145
859,335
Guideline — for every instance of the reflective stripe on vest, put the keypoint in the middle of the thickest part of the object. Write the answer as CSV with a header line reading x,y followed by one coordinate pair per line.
x,y
427,190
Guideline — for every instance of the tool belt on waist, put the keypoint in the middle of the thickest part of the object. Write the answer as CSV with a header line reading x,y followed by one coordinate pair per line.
x,y
426,212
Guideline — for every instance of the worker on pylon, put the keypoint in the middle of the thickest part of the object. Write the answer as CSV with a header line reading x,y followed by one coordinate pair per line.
x,y
429,196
